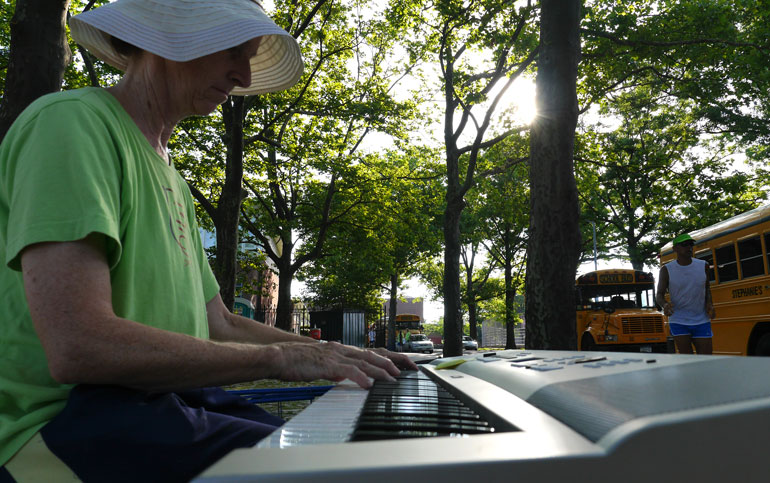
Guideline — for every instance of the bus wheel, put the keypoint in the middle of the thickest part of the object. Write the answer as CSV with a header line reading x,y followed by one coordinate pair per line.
x,y
587,343
763,345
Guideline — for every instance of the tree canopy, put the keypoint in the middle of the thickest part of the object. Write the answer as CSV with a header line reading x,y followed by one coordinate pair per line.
x,y
396,144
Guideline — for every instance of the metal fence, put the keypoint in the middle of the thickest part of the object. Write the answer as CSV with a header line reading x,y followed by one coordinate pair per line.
x,y
348,326
300,318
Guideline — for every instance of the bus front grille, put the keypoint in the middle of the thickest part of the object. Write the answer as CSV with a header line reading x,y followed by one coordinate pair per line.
x,y
642,325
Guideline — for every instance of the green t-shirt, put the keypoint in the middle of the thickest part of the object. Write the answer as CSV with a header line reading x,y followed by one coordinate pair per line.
x,y
74,163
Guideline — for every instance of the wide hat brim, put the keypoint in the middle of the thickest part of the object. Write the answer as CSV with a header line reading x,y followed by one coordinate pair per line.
x,y
183,30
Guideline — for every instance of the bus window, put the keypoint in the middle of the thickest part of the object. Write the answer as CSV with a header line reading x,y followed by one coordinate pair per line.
x,y
767,248
750,254
708,257
727,267
409,322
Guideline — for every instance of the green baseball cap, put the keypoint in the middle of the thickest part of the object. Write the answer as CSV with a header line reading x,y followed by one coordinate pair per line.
x,y
682,238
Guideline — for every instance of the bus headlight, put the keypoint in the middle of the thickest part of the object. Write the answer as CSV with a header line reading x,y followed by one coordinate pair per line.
x,y
611,337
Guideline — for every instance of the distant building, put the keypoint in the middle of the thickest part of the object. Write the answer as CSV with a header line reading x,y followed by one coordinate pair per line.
x,y
410,305
265,302
260,306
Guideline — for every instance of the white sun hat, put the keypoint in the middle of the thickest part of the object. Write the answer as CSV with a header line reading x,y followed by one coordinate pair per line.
x,y
183,30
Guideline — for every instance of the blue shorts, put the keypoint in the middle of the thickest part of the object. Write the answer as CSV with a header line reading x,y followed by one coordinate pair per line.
x,y
699,331
116,434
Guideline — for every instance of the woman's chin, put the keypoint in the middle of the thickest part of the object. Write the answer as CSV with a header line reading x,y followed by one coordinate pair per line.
x,y
204,108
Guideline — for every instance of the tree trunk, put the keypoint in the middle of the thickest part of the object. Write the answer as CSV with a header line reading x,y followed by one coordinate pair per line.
x,y
510,293
472,318
228,207
285,308
554,237
393,306
470,297
635,255
453,324
39,53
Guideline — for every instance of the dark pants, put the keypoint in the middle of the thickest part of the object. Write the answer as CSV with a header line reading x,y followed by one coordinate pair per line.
x,y
111,433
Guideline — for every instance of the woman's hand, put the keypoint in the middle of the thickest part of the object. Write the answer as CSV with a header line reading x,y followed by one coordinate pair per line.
x,y
310,361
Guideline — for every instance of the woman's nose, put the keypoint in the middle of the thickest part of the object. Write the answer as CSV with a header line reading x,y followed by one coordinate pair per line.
x,y
241,72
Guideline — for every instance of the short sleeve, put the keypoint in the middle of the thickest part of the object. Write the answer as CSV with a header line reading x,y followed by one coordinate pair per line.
x,y
62,179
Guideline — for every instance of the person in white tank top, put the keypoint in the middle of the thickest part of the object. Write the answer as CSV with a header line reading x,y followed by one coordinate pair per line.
x,y
690,308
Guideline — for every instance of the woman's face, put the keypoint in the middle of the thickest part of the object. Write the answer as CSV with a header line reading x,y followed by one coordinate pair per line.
x,y
200,85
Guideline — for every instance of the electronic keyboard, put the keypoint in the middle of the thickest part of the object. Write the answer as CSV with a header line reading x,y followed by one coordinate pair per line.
x,y
542,415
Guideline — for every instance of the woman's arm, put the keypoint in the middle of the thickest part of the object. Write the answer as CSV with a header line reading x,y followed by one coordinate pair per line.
x,y
70,300
225,326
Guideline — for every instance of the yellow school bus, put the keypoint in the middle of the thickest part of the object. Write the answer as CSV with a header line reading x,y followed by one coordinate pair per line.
x,y
409,323
738,253
616,312
406,325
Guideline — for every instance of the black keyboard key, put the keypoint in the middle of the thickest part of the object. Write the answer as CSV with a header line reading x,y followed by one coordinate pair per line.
x,y
415,407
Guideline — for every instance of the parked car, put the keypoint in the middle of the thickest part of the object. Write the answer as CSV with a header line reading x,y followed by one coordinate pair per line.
x,y
420,343
470,344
